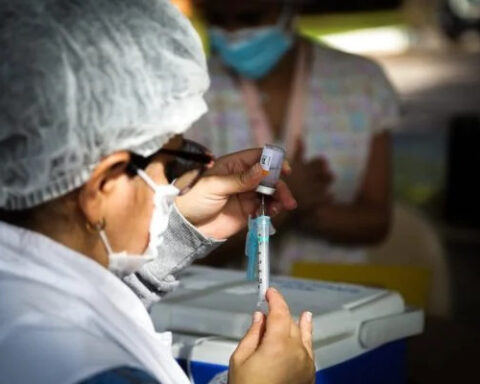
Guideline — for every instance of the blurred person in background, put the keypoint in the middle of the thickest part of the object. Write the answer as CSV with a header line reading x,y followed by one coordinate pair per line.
x,y
332,111
97,187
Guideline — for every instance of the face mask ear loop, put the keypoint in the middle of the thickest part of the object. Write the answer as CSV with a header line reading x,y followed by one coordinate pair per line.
x,y
100,229
147,179
103,237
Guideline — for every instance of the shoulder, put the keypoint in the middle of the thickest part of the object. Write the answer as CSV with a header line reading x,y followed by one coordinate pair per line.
x,y
334,61
53,352
350,74
121,375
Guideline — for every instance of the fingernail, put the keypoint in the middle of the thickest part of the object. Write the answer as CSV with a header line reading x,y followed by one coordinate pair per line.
x,y
274,211
273,289
288,167
257,169
308,316
257,316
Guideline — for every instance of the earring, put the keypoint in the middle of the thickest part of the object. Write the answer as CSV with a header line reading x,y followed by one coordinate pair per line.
x,y
97,227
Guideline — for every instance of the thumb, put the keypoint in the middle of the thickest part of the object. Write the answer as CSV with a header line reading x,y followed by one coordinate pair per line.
x,y
251,340
240,182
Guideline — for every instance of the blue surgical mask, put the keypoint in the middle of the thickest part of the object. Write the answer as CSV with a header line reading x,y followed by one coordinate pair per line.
x,y
251,52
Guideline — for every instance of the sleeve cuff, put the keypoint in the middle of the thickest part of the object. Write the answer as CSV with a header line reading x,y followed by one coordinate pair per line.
x,y
183,231
182,244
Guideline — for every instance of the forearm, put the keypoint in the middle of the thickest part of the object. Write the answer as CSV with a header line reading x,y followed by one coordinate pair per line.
x,y
355,224
367,219
230,253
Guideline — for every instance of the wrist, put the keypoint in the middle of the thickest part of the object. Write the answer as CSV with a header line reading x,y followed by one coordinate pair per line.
x,y
201,232
210,233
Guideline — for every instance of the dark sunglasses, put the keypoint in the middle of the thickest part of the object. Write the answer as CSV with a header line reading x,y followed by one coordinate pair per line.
x,y
187,166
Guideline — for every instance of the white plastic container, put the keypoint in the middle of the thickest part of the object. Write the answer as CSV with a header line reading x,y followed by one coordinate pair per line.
x,y
358,331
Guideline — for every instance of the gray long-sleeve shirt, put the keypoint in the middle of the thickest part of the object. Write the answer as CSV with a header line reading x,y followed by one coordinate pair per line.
x,y
182,244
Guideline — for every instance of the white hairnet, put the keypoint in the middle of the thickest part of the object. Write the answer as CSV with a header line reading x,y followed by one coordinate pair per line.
x,y
81,79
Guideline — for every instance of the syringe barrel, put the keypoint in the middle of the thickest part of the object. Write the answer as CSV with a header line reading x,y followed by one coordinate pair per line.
x,y
271,161
263,231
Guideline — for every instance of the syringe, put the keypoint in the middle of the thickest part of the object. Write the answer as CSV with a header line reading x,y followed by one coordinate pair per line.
x,y
263,235
260,228
271,161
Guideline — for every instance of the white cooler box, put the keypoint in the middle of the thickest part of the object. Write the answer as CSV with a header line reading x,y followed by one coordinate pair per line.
x,y
358,332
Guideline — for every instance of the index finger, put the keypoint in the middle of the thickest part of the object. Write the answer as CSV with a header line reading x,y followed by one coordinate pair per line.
x,y
238,161
284,196
305,324
286,168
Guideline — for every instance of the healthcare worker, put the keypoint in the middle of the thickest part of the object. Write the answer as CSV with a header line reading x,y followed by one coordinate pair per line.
x,y
93,96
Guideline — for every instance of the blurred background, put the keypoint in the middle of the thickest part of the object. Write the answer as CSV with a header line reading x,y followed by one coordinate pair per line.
x,y
430,51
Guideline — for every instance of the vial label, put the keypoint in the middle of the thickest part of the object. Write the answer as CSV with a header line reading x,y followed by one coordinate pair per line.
x,y
271,162
266,159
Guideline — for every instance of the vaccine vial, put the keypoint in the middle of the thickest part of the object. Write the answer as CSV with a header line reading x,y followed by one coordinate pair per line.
x,y
271,161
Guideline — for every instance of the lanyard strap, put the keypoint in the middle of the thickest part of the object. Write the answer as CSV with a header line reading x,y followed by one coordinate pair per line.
x,y
259,124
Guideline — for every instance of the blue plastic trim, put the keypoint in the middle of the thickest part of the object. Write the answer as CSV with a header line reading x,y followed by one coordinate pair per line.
x,y
383,365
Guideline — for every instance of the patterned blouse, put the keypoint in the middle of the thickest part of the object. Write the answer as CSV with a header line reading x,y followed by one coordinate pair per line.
x,y
349,100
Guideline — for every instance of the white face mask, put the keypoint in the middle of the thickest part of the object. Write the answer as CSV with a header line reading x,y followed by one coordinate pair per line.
x,y
123,263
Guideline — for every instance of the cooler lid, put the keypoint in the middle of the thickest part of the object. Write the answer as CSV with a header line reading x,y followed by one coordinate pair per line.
x,y
218,302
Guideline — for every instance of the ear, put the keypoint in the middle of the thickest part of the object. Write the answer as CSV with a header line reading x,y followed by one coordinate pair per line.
x,y
103,180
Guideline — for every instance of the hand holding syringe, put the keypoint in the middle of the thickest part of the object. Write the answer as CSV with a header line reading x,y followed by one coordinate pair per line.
x,y
260,229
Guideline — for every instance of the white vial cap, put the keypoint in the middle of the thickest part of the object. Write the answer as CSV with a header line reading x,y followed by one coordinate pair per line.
x,y
265,190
